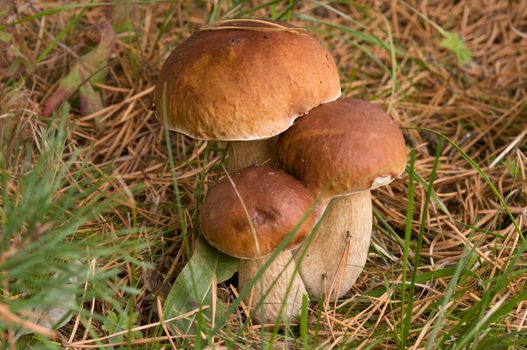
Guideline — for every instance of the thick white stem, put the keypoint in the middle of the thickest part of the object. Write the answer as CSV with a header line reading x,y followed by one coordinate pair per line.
x,y
242,154
286,278
337,254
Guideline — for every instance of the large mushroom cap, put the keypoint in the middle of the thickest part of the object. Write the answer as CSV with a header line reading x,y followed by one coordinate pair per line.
x,y
275,202
244,84
349,144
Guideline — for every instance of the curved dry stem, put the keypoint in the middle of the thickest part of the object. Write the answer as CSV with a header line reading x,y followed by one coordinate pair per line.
x,y
272,26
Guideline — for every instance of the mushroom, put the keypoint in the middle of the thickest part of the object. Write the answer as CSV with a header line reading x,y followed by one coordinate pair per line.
x,y
248,216
244,80
341,149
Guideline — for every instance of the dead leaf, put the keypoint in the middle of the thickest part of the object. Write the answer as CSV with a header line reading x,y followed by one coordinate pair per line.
x,y
86,70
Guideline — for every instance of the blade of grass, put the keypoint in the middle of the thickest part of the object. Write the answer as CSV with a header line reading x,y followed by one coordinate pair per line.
x,y
182,226
253,9
368,38
393,61
422,226
69,26
287,12
215,11
406,248
498,311
471,321
166,21
460,266
303,322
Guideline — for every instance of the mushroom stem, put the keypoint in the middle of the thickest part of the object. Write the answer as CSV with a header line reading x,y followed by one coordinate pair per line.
x,y
337,254
241,154
281,270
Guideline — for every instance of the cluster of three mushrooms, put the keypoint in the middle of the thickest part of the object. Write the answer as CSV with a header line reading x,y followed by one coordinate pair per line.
x,y
245,82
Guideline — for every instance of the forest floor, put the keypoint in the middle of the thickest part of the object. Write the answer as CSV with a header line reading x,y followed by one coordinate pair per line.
x,y
98,200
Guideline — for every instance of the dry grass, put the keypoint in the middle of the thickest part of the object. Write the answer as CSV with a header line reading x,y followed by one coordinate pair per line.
x,y
480,106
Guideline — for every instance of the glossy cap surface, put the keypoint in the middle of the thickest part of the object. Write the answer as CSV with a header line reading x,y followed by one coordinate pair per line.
x,y
348,144
275,204
244,84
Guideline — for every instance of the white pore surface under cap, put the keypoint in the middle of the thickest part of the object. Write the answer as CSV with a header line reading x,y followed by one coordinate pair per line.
x,y
381,181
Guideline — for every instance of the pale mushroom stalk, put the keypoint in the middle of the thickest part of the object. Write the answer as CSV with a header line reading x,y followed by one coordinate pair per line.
x,y
344,231
280,284
342,149
241,154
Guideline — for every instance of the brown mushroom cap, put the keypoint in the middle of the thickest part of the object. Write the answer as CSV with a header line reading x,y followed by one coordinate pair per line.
x,y
244,84
276,203
349,144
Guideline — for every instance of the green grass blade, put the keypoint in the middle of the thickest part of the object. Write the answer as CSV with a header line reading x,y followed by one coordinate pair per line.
x,y
422,227
461,265
69,26
303,322
406,248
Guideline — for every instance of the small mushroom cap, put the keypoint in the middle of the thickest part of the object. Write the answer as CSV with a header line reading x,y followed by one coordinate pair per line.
x,y
348,145
244,84
275,201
